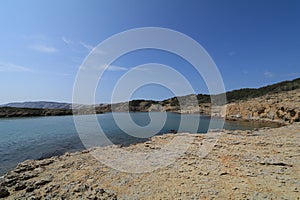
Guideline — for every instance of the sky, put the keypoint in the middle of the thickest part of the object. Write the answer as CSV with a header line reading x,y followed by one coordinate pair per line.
x,y
43,43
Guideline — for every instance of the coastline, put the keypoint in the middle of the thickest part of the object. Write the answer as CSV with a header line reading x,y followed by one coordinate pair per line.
x,y
281,108
278,122
264,160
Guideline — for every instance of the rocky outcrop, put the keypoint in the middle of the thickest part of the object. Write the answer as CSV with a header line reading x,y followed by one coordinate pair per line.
x,y
32,180
279,107
260,164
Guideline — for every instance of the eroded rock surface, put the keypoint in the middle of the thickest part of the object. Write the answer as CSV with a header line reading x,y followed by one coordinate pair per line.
x,y
261,164
282,106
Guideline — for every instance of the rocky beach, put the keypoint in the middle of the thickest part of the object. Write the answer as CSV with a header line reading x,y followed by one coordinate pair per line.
x,y
259,164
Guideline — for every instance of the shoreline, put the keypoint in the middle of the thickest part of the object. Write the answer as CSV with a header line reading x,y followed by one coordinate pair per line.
x,y
279,124
47,173
268,123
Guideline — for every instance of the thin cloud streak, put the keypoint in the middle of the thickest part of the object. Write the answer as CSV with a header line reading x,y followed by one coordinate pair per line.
x,y
116,68
110,68
67,41
87,46
43,48
10,67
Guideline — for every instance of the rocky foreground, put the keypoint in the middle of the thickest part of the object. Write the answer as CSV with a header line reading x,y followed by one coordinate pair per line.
x,y
259,164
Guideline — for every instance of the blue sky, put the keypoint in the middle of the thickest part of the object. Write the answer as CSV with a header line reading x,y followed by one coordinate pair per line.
x,y
43,43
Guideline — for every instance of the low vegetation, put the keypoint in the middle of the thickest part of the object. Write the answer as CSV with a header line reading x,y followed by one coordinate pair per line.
x,y
171,104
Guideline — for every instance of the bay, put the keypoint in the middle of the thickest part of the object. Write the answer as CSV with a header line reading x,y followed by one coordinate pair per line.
x,y
43,137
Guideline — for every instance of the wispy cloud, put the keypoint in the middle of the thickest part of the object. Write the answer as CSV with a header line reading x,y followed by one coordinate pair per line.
x,y
145,69
67,41
116,68
9,67
268,74
110,68
43,48
87,46
40,43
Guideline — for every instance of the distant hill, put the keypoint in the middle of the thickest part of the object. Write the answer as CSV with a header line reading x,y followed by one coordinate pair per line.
x,y
245,93
172,104
39,104
42,105
248,93
32,112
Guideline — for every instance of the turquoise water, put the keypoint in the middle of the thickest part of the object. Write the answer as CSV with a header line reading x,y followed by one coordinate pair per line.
x,y
42,137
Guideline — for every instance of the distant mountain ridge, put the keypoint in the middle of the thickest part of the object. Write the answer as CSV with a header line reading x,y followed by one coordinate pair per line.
x,y
45,105
39,104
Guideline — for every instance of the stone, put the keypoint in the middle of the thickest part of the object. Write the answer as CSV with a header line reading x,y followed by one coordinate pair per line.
x,y
42,182
223,173
81,188
4,192
30,188
45,162
20,186
27,176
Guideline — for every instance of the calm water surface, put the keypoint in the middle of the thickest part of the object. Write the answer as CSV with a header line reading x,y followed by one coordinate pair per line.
x,y
41,137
